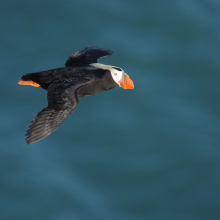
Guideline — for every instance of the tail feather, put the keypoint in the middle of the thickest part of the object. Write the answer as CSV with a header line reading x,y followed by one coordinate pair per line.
x,y
44,78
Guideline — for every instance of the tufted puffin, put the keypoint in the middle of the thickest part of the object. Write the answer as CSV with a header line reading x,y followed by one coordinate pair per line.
x,y
82,76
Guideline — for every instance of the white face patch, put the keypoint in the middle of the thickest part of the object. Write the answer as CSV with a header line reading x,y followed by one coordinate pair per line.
x,y
116,72
116,75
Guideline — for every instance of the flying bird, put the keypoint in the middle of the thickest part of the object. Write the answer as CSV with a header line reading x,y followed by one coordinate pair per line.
x,y
82,76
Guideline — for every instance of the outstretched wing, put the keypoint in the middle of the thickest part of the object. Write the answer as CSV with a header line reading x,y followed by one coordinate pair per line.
x,y
62,101
87,56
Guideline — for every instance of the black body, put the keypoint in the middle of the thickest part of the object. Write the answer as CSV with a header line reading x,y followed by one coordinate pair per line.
x,y
65,85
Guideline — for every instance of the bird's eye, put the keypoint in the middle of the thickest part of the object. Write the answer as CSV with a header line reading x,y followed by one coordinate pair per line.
x,y
115,74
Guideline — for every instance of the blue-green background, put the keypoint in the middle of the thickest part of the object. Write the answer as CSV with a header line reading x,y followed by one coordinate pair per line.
x,y
149,153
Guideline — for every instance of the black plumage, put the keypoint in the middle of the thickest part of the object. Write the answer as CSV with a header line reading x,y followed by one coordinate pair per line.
x,y
64,86
87,56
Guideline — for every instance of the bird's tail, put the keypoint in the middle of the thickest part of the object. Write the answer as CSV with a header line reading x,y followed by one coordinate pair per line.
x,y
40,79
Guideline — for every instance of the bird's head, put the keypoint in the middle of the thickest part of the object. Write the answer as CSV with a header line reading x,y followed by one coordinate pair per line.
x,y
118,75
121,78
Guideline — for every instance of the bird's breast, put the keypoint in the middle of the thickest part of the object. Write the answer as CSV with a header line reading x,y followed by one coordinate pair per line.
x,y
91,89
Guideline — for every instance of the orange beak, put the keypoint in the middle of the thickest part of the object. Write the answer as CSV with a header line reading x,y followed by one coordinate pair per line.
x,y
126,82
28,83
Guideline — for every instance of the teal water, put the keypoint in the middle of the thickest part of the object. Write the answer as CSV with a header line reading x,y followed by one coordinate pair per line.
x,y
151,153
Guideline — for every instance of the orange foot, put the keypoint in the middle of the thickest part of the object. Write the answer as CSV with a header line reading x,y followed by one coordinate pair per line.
x,y
28,83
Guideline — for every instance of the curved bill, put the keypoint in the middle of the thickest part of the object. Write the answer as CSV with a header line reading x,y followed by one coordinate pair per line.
x,y
126,82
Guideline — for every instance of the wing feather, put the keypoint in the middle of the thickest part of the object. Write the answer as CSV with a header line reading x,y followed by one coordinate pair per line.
x,y
62,101
87,56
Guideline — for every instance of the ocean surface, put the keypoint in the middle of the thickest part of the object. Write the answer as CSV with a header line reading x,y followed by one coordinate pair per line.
x,y
152,153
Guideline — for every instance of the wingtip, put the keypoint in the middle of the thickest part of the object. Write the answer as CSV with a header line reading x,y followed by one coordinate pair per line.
x,y
27,142
98,47
32,139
